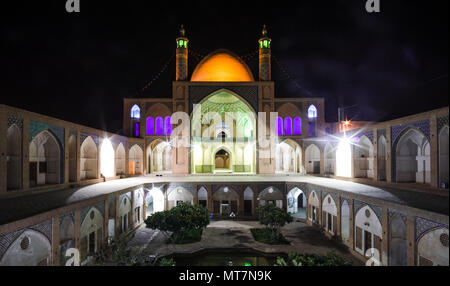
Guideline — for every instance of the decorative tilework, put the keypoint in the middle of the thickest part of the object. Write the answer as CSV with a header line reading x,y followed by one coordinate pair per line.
x,y
100,206
249,93
333,195
422,125
139,144
187,187
58,132
396,134
84,135
441,122
424,225
12,119
358,205
6,240
215,188
392,213
381,132
280,187
71,215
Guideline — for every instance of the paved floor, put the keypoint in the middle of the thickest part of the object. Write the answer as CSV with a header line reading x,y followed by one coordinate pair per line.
x,y
12,209
236,235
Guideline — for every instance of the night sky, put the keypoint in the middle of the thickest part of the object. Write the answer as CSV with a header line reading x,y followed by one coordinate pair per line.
x,y
79,67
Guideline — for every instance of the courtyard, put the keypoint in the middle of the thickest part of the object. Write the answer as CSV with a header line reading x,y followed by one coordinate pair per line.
x,y
235,236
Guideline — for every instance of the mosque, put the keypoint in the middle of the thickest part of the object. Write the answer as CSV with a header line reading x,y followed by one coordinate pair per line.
x,y
381,185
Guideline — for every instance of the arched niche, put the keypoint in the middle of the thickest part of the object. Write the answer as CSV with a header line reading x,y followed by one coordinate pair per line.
x,y
14,157
44,158
88,159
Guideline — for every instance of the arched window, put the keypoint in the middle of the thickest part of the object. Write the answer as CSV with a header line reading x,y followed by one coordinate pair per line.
x,y
150,126
167,126
297,126
288,126
135,112
312,112
159,126
279,126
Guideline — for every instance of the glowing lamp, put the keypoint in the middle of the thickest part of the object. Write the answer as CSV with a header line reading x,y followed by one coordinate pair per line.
x,y
344,158
107,159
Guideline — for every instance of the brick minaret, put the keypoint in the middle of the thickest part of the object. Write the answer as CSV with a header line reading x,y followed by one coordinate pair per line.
x,y
182,56
265,67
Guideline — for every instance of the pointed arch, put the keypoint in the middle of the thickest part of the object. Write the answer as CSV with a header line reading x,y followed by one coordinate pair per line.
x,y
330,159
45,160
31,248
150,126
88,159
14,157
120,160
345,221
363,158
443,157
296,203
297,126
312,154
368,230
287,126
249,203
135,112
412,164
381,158
135,160
72,158
159,126
167,125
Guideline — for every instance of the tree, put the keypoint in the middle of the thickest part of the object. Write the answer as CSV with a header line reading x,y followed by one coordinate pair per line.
x,y
180,220
273,218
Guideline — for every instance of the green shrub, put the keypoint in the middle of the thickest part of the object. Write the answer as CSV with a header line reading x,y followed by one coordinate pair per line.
x,y
184,221
329,259
273,218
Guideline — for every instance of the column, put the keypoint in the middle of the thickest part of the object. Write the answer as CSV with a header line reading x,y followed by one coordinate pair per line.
x,y
434,152
25,153
385,239
375,155
410,241
78,155
351,224
388,155
55,242
77,230
66,155
241,200
195,195
210,199
338,220
3,152
255,200
106,221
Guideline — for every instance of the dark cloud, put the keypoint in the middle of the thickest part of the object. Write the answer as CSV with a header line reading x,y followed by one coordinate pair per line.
x,y
80,67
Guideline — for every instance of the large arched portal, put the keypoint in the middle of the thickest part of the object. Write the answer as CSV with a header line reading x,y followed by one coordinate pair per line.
x,y
271,195
154,201
223,137
89,163
363,158
330,159
413,158
288,157
222,160
443,158
44,159
14,157
296,203
159,157
312,154
135,161
225,201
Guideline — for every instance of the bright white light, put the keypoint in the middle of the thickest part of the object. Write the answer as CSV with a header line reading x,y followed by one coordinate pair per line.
x,y
158,200
344,159
107,159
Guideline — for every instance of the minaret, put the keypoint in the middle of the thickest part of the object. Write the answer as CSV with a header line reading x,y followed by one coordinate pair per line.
x,y
265,66
182,56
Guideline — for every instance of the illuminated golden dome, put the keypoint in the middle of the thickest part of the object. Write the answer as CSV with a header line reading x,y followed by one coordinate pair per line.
x,y
220,66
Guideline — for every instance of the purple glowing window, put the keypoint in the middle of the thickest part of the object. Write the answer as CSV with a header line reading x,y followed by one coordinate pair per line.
x,y
136,129
279,126
312,128
159,122
150,126
167,126
288,126
297,126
